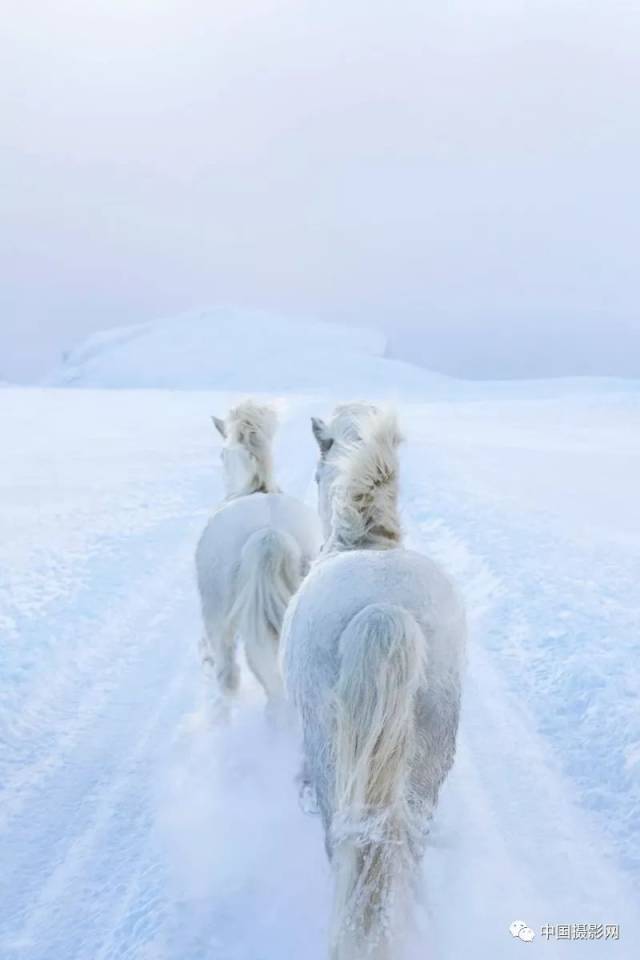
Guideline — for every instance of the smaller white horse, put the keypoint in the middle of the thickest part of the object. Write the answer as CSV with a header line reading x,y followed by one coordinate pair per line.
x,y
372,652
251,558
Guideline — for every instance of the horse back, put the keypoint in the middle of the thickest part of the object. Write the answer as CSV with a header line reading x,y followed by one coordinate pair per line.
x,y
228,529
338,588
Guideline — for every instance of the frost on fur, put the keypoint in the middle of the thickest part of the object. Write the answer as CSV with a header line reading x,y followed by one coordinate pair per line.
x,y
343,431
345,427
365,489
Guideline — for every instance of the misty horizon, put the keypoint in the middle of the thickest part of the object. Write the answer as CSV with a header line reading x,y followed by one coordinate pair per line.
x,y
464,180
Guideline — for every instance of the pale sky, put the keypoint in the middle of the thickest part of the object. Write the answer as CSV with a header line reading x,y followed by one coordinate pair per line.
x,y
463,175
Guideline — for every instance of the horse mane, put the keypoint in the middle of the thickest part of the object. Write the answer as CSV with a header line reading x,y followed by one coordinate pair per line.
x,y
365,491
253,425
344,428
348,422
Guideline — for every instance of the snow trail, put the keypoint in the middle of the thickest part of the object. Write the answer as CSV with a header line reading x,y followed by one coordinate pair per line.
x,y
129,829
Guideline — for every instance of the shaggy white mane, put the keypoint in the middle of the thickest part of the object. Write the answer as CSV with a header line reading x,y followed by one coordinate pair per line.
x,y
365,491
253,426
348,422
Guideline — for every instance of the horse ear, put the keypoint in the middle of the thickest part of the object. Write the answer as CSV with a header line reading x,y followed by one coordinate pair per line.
x,y
321,433
220,427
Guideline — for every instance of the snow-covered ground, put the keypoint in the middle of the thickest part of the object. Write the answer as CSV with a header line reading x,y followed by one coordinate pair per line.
x,y
129,829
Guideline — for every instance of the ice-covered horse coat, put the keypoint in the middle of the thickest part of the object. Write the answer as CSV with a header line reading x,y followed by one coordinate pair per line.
x,y
373,646
251,558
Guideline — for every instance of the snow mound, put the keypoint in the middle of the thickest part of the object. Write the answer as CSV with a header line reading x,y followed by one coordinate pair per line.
x,y
232,349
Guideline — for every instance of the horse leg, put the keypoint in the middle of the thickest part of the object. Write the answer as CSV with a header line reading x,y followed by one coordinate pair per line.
x,y
218,655
262,658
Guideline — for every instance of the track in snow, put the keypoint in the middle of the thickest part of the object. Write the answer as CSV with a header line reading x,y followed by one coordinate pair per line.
x,y
128,829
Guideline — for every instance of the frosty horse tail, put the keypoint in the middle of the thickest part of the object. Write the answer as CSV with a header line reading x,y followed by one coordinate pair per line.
x,y
268,576
382,666
382,654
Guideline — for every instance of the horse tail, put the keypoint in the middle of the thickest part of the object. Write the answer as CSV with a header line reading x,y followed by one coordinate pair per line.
x,y
383,661
269,574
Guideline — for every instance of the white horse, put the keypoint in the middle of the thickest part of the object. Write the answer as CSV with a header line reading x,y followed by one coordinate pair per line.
x,y
373,645
251,558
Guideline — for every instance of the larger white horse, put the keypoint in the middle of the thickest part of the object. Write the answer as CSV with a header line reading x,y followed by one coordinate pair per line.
x,y
251,558
373,645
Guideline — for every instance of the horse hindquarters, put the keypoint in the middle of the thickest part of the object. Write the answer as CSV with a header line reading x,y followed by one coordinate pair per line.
x,y
373,830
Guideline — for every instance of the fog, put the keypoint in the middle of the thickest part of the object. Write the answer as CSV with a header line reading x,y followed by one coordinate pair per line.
x,y
461,175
